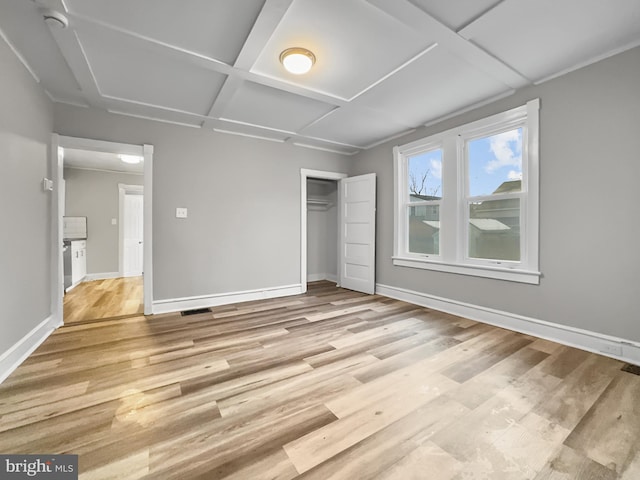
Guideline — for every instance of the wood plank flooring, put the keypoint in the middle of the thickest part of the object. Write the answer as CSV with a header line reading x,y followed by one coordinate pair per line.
x,y
100,299
328,385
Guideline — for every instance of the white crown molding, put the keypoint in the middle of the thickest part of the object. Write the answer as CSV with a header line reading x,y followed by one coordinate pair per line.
x,y
479,104
155,119
249,135
324,149
388,139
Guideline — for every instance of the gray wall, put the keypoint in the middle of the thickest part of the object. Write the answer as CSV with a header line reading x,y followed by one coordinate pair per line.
x,y
26,122
94,194
242,195
589,218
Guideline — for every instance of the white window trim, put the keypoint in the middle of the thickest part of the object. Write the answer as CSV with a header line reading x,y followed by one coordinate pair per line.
x,y
453,257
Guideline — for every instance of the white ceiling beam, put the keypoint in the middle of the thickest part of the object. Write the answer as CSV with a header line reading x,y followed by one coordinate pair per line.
x,y
21,58
228,90
266,23
75,56
263,29
270,17
300,142
419,20
328,144
85,25
264,26
154,112
478,16
73,53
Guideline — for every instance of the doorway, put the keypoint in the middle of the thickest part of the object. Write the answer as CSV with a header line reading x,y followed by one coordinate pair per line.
x,y
103,204
131,231
322,230
310,202
356,209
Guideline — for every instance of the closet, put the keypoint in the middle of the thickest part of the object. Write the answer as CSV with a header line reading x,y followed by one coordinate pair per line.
x,y
322,230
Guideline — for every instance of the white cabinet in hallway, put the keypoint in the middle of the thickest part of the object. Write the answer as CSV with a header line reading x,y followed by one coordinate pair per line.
x,y
78,261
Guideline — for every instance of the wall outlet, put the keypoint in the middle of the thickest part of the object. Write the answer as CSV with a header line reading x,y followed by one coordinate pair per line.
x,y
181,212
611,349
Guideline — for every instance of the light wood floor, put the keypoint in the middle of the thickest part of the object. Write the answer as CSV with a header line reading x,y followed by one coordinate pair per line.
x,y
328,385
104,299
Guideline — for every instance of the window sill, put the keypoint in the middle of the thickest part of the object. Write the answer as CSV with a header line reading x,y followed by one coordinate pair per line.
x,y
509,274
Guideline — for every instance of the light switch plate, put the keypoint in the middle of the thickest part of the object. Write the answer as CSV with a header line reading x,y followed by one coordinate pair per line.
x,y
181,212
114,221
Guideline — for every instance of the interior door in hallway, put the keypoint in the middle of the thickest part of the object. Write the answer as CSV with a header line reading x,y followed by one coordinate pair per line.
x,y
133,235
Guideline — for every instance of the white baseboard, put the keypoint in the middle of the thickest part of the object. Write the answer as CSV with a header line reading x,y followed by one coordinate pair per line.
x,y
316,277
18,353
203,301
614,347
101,276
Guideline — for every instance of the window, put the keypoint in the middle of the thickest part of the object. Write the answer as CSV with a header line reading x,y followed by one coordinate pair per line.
x,y
422,209
467,199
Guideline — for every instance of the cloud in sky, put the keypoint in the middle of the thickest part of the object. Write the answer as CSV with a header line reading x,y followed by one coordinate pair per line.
x,y
507,150
513,175
436,168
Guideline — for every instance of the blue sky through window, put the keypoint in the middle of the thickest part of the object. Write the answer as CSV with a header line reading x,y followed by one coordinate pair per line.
x,y
494,160
425,173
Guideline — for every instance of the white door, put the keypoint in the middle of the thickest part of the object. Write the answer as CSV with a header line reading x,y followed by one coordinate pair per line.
x,y
133,228
358,233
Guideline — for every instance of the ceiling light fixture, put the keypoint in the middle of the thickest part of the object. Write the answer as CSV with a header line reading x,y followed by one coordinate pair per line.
x,y
54,19
132,159
297,60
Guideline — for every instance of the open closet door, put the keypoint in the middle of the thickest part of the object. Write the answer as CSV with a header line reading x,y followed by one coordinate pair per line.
x,y
357,257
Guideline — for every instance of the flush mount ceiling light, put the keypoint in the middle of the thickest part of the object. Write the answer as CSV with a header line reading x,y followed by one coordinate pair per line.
x,y
297,60
133,159
54,19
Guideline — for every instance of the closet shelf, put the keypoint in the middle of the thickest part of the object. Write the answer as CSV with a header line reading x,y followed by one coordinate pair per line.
x,y
319,203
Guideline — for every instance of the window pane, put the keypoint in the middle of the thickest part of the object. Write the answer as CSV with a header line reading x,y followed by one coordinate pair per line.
x,y
495,163
425,176
494,229
424,229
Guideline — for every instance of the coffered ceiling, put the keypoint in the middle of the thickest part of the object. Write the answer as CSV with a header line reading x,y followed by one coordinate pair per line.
x,y
384,67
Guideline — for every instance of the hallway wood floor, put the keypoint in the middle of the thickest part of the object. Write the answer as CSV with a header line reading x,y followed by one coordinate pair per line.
x,y
99,299
328,385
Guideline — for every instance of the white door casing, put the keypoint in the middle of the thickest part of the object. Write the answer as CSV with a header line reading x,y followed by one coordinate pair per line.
x,y
57,270
304,175
357,200
133,235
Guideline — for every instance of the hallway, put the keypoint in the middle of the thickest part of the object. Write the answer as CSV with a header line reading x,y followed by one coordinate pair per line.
x,y
97,299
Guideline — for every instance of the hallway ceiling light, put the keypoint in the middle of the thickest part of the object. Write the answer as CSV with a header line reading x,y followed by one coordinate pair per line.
x,y
297,60
133,159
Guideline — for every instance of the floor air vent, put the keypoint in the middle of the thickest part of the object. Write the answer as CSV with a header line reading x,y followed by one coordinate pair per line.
x,y
635,369
196,311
